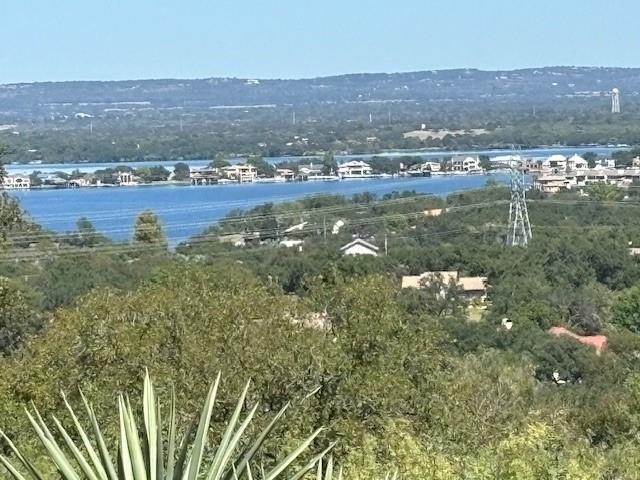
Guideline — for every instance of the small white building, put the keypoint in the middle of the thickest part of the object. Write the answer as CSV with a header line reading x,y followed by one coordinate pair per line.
x,y
359,247
16,182
126,179
355,169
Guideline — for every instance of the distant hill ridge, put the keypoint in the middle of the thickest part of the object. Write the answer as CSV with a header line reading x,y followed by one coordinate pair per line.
x,y
458,84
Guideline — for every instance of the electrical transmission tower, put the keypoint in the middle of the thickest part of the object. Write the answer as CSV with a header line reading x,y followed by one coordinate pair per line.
x,y
519,232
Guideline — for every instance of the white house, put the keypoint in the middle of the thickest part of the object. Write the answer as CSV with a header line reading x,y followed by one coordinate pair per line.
x,y
241,173
576,162
126,179
556,163
310,170
355,169
14,182
359,247
466,163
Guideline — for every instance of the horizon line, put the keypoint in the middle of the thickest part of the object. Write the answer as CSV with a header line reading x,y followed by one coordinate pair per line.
x,y
319,77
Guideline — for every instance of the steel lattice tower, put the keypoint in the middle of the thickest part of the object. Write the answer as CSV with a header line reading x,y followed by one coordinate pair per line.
x,y
519,232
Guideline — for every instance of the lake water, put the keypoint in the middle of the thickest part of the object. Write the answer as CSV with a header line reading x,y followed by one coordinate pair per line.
x,y
187,210
426,154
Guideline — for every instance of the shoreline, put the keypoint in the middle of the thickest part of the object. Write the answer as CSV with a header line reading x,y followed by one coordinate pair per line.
x,y
371,178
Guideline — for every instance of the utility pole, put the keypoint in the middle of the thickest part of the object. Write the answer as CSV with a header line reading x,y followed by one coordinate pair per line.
x,y
386,244
324,228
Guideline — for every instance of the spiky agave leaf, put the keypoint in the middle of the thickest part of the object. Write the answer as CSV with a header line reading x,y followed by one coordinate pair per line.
x,y
141,453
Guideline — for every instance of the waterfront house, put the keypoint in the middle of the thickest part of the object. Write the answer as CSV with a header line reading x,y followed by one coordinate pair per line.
x,y
307,171
126,179
285,173
466,163
204,176
355,169
423,169
359,247
553,183
241,173
576,162
16,182
555,163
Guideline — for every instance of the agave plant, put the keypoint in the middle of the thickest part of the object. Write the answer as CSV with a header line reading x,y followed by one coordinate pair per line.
x,y
149,454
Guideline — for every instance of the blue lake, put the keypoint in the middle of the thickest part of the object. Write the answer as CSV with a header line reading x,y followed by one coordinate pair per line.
x,y
187,210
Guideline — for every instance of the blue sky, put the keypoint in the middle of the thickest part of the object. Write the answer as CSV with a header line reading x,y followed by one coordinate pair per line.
x,y
44,40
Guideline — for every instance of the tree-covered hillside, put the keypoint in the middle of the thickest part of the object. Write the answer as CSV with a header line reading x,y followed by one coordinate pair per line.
x,y
400,378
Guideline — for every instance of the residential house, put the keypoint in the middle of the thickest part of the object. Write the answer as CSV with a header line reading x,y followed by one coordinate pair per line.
x,y
434,212
241,173
204,176
359,247
466,163
423,169
309,171
355,169
555,163
285,173
472,288
419,281
597,342
15,182
554,183
576,162
79,182
126,179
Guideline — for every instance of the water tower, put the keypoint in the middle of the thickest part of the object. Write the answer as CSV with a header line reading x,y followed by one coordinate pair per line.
x,y
615,101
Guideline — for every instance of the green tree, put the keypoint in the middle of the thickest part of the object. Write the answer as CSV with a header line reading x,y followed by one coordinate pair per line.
x,y
329,164
148,230
17,316
181,171
625,310
263,168
591,158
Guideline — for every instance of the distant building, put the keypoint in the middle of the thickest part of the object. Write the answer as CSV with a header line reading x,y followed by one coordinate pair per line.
x,y
355,169
241,173
597,342
16,182
556,163
466,163
576,162
285,173
126,179
359,247
310,170
472,288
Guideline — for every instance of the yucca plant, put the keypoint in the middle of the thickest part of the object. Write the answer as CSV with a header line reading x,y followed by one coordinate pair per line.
x,y
326,471
148,453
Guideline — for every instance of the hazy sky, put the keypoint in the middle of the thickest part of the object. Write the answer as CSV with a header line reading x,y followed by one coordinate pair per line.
x,y
130,39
